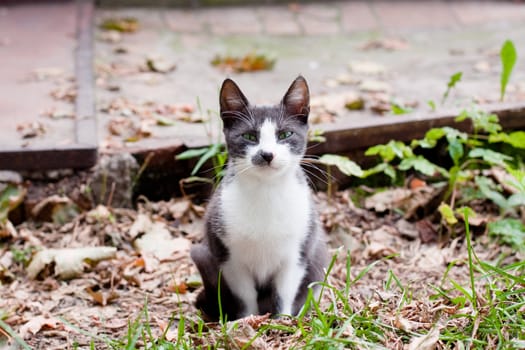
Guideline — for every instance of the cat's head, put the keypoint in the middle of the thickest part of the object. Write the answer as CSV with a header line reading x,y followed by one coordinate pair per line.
x,y
266,141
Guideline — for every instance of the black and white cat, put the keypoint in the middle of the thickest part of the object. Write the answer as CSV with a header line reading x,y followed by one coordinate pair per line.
x,y
262,230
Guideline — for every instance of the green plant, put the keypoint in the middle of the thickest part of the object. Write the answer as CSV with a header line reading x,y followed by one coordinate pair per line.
x,y
216,152
454,79
489,305
22,255
8,330
399,109
11,196
508,56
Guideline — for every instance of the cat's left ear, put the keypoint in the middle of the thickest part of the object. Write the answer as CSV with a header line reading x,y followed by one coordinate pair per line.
x,y
296,101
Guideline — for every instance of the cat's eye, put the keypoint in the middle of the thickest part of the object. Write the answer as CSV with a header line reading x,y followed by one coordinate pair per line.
x,y
284,135
249,136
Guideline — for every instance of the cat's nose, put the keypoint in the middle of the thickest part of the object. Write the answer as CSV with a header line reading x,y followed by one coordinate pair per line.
x,y
267,156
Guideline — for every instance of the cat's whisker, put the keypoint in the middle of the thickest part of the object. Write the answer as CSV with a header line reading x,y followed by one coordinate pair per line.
x,y
312,175
313,145
328,177
242,171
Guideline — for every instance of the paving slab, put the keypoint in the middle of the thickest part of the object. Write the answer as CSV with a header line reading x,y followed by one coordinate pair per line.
x,y
416,67
38,65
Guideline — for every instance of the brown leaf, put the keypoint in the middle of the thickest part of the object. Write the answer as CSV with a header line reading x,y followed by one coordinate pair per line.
x,y
387,199
156,239
427,232
381,242
255,321
124,24
179,288
248,63
55,208
243,335
503,178
416,183
102,297
65,93
31,129
159,65
55,113
37,323
390,44
425,342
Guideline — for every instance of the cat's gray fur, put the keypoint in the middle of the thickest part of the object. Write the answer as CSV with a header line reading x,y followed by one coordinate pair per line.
x,y
241,118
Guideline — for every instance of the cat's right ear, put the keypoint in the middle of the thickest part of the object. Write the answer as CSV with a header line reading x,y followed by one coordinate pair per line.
x,y
232,102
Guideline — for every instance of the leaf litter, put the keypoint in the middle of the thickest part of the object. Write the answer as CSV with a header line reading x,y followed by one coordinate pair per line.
x,y
121,255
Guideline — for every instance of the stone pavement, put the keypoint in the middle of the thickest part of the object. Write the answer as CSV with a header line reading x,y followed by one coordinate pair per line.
x,y
429,41
325,18
380,51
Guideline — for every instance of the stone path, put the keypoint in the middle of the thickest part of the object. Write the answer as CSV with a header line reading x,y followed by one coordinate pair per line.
x,y
431,41
413,48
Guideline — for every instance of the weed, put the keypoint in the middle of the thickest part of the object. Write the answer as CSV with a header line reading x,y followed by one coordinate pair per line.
x,y
454,79
508,57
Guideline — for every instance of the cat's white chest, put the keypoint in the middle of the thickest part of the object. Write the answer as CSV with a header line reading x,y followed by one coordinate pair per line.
x,y
265,224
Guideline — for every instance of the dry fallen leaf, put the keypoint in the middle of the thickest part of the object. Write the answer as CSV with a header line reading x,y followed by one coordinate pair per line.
x,y
55,113
36,323
157,239
55,208
100,213
46,73
102,297
387,199
367,67
125,24
110,36
159,65
325,108
390,44
248,63
425,342
180,208
69,262
243,335
31,129
65,93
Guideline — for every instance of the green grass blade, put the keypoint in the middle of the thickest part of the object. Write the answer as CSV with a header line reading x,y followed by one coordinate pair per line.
x,y
13,334
470,259
508,57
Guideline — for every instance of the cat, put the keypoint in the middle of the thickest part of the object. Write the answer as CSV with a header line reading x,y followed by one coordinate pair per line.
x,y
262,237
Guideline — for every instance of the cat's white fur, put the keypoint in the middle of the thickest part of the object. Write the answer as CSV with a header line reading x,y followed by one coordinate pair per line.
x,y
266,213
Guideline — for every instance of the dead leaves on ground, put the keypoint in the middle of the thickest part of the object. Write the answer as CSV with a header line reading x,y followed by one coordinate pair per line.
x,y
71,269
251,62
133,121
120,24
150,255
28,130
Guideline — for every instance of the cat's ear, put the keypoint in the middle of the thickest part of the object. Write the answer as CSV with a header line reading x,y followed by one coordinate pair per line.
x,y
232,101
296,101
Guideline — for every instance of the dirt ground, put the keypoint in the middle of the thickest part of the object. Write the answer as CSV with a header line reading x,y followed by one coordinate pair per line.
x,y
151,267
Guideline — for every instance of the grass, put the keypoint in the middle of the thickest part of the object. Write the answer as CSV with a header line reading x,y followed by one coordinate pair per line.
x,y
483,311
